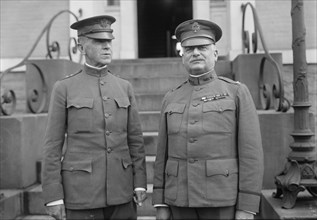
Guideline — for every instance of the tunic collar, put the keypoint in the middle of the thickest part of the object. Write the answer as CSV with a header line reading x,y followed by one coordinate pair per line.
x,y
203,79
95,71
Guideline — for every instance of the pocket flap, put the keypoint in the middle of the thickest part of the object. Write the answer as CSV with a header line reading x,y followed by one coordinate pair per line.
x,y
78,165
126,162
219,106
223,167
227,105
123,102
80,103
171,168
175,108
210,107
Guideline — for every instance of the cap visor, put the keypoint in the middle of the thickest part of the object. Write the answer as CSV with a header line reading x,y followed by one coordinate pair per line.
x,y
196,41
100,35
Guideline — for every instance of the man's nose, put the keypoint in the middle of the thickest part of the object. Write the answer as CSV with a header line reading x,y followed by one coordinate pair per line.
x,y
106,45
196,51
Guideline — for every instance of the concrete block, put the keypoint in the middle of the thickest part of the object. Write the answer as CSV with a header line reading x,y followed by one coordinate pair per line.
x,y
149,101
11,204
21,141
246,69
276,128
271,208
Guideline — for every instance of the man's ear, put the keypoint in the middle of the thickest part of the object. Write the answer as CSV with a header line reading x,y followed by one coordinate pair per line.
x,y
80,48
216,54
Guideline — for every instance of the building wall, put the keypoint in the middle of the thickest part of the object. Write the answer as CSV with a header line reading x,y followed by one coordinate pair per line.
x,y
276,21
22,21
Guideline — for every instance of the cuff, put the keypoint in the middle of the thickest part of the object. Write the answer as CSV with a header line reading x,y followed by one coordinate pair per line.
x,y
57,202
160,205
248,202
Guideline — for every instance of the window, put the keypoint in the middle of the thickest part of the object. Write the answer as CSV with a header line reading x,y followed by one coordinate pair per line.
x,y
113,2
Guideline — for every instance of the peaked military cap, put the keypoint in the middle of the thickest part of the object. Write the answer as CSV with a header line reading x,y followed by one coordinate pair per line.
x,y
197,32
98,27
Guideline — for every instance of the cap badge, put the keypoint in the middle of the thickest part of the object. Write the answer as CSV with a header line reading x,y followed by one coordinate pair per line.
x,y
105,23
195,27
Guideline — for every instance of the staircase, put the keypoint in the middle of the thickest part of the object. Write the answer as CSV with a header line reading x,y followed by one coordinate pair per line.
x,y
20,195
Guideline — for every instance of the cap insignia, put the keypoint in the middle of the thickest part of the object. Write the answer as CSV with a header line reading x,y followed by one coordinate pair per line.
x,y
105,23
195,27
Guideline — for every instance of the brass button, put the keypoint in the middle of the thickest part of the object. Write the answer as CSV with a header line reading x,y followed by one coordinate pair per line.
x,y
227,173
109,150
104,98
192,140
193,122
102,83
195,104
191,160
107,115
108,133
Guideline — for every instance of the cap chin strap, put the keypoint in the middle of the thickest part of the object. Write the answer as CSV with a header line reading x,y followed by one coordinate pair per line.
x,y
196,76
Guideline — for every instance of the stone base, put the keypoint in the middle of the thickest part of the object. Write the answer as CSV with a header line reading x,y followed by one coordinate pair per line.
x,y
271,208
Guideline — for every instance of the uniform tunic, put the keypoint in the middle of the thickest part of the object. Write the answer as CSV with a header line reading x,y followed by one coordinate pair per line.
x,y
209,151
105,159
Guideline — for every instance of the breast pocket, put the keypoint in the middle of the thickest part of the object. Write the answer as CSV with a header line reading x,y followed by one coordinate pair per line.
x,y
121,113
219,116
80,114
174,113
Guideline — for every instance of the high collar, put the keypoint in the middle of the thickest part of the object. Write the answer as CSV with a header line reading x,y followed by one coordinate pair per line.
x,y
201,80
93,71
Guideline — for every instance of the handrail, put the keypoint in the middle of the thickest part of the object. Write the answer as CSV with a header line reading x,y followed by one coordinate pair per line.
x,y
278,92
9,96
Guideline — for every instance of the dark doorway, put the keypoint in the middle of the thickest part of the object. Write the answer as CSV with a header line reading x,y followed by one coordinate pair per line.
x,y
157,20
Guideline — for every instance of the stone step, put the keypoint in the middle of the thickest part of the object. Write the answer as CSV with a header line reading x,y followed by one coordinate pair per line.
x,y
156,84
47,217
34,217
150,142
11,203
149,101
150,120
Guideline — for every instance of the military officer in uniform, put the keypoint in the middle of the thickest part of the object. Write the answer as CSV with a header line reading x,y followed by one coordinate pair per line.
x,y
209,162
102,174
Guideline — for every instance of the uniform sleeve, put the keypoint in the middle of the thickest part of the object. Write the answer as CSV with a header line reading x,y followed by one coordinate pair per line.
x,y
160,161
136,143
250,153
53,144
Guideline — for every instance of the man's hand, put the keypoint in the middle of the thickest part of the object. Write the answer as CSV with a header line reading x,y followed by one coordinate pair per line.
x,y
56,211
163,213
244,215
139,197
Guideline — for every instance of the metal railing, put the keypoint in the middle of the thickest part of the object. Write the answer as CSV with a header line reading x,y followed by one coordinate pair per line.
x,y
266,92
8,98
